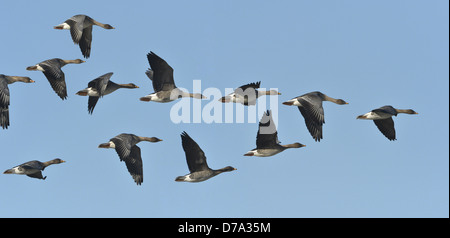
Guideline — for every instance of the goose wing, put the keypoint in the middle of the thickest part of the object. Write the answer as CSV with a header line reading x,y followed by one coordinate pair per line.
x,y
4,93
267,136
195,156
149,73
100,83
247,94
134,164
76,24
37,175
4,103
386,110
34,164
55,76
85,41
92,101
247,86
312,111
386,126
162,73
123,144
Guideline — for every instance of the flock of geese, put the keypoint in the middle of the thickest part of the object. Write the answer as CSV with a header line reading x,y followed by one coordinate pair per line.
x,y
161,75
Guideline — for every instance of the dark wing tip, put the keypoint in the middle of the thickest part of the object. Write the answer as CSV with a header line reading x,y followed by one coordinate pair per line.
x,y
151,54
184,135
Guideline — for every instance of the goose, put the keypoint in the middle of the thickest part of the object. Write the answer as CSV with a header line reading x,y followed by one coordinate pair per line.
x,y
382,117
247,94
161,75
196,161
100,87
55,76
80,27
5,97
128,151
33,168
310,106
267,143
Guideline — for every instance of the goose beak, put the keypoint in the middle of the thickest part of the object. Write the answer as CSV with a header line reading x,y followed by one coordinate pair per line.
x,y
249,154
32,81
288,103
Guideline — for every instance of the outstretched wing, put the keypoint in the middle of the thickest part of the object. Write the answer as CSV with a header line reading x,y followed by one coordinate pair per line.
x,y
92,101
4,103
134,164
386,126
195,156
55,77
312,111
162,73
267,136
76,27
100,83
85,42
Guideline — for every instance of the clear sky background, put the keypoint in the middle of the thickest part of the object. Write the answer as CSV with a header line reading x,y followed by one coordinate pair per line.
x,y
369,53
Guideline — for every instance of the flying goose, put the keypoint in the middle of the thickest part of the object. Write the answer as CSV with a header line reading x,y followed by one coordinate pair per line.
x,y
382,117
55,76
128,151
100,87
310,106
5,97
80,27
196,161
247,94
161,75
267,143
33,168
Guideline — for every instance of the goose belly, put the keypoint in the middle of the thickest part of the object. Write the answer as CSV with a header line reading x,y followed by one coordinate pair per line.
x,y
265,152
20,170
92,92
155,97
375,116
197,177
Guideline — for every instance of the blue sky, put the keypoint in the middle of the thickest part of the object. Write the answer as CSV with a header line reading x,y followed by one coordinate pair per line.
x,y
369,53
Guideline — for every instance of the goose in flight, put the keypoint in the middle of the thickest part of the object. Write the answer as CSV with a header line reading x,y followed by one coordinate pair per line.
x,y
5,97
196,161
80,27
100,87
267,143
33,168
55,76
161,75
130,153
310,106
382,117
247,94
